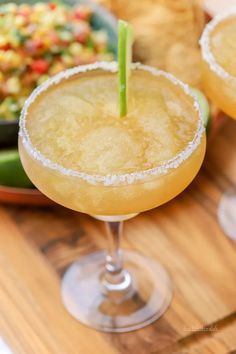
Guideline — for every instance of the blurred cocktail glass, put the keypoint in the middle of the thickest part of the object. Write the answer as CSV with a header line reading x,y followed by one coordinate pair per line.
x,y
80,153
218,44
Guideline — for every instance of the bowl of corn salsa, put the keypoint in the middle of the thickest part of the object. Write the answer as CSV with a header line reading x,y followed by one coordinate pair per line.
x,y
40,39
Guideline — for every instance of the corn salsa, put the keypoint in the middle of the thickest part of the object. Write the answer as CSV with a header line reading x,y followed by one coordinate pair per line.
x,y
38,41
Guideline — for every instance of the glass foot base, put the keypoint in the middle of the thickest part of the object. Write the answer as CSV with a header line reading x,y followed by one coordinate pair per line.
x,y
84,298
227,214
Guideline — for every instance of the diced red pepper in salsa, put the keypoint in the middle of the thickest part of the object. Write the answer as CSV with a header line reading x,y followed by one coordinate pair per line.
x,y
40,66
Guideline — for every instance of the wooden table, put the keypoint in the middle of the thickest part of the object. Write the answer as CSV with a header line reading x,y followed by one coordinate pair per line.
x,y
37,244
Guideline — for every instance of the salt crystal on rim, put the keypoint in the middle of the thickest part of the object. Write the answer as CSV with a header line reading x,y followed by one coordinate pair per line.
x,y
205,44
111,179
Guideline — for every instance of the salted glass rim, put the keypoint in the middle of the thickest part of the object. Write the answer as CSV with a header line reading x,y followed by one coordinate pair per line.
x,y
207,54
109,179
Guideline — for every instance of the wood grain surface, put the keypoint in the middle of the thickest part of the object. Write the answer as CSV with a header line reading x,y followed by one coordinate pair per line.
x,y
37,244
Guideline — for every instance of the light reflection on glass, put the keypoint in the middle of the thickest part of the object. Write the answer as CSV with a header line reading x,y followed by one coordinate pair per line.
x,y
4,349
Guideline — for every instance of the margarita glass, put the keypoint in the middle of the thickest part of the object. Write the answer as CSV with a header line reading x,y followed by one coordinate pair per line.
x,y
218,44
80,153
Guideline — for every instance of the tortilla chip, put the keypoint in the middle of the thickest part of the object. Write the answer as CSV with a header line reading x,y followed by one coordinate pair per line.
x,y
166,34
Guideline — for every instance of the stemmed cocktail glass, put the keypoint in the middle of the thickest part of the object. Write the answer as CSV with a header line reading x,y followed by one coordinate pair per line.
x,y
80,153
218,44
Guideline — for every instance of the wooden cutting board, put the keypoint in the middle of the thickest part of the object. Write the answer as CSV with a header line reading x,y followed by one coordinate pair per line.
x,y
37,244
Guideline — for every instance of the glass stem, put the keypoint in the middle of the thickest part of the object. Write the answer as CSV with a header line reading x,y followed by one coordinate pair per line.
x,y
115,278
